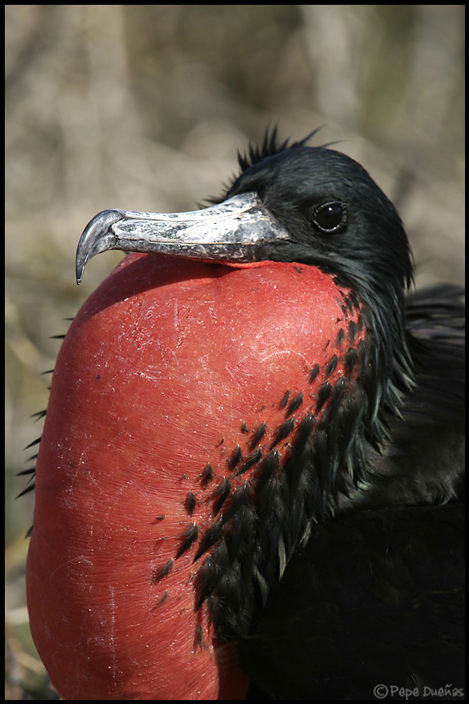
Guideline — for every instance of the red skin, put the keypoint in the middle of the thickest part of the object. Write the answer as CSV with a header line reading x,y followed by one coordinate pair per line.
x,y
158,372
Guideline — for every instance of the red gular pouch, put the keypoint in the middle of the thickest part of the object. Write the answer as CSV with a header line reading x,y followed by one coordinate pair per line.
x,y
177,383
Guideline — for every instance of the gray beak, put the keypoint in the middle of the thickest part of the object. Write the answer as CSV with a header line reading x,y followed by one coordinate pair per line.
x,y
232,231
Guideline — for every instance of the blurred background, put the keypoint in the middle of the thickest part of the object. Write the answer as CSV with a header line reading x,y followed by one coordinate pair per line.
x,y
143,107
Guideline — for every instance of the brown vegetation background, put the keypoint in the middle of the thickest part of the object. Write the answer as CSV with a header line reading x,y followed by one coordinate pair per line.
x,y
144,107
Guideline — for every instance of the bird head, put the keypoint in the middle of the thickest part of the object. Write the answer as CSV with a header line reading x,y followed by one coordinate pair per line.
x,y
336,215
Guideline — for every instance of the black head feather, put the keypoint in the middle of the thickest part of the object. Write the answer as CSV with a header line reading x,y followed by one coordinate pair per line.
x,y
270,146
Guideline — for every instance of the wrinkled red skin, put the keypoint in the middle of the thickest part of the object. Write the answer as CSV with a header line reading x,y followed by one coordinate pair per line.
x,y
159,371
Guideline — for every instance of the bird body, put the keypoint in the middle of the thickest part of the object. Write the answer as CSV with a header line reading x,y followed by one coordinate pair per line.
x,y
222,425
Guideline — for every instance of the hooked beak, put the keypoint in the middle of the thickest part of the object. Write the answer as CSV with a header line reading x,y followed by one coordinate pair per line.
x,y
232,231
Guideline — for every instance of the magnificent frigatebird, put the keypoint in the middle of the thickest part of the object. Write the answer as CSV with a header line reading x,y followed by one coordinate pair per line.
x,y
251,467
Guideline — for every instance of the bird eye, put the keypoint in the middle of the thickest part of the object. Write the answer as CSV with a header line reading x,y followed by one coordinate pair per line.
x,y
330,217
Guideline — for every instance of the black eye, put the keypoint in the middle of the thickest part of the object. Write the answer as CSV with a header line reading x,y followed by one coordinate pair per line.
x,y
330,217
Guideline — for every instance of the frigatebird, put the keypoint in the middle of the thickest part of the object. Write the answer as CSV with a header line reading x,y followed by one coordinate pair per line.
x,y
250,477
